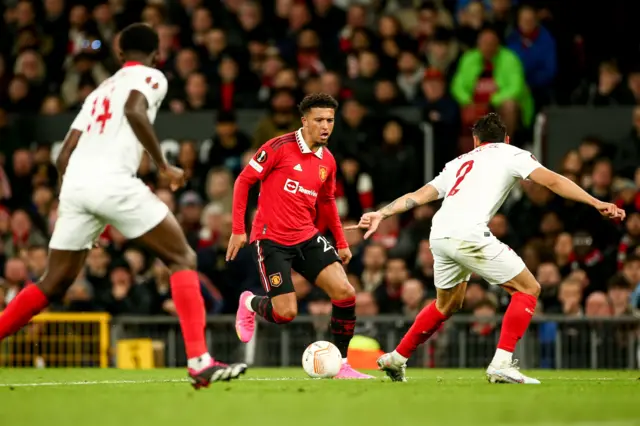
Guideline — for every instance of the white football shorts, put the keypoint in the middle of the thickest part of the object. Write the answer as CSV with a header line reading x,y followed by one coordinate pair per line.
x,y
455,260
85,209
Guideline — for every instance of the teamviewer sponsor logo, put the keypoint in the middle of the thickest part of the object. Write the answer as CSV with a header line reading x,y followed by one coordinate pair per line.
x,y
293,187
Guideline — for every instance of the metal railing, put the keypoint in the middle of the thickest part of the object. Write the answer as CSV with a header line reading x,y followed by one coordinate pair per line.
x,y
464,341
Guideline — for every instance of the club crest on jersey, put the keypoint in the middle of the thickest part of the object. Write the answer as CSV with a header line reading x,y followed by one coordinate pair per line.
x,y
261,157
323,173
275,279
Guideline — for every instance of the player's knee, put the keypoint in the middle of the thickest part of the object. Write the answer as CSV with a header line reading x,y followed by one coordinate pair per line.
x,y
450,305
533,289
285,307
186,260
344,291
286,313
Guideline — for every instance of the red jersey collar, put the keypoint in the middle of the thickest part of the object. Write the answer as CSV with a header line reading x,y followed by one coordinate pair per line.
x,y
131,64
304,148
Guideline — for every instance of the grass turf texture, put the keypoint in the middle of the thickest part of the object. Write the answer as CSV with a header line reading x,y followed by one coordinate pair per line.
x,y
283,397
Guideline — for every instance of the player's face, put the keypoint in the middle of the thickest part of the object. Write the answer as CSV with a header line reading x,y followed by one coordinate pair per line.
x,y
319,124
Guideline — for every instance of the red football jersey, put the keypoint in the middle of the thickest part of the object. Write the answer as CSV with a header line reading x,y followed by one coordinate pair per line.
x,y
295,180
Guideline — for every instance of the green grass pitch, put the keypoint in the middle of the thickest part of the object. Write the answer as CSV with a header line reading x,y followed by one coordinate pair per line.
x,y
284,397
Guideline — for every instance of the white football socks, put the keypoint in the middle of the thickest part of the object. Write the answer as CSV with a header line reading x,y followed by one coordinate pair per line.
x,y
397,357
200,362
247,303
501,358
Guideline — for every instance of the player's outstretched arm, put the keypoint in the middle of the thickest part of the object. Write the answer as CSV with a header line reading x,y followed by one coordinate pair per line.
x,y
424,195
370,221
568,189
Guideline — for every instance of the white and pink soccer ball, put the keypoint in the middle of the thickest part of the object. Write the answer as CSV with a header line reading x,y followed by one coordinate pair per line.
x,y
321,360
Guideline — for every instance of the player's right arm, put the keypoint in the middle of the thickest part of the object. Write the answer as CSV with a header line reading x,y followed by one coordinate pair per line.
x,y
428,193
258,168
569,190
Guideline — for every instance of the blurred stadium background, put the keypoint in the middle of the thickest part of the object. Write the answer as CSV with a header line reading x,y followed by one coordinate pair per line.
x,y
411,77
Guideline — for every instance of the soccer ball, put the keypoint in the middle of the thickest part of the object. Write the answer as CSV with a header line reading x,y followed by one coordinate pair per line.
x,y
321,360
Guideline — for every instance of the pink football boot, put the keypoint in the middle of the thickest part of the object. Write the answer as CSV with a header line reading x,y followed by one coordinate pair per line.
x,y
245,319
347,372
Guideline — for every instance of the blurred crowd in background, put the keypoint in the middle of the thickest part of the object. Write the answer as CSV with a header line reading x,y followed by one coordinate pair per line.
x,y
452,60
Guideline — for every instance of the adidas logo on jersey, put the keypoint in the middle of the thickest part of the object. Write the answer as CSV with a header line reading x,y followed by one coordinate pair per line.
x,y
297,167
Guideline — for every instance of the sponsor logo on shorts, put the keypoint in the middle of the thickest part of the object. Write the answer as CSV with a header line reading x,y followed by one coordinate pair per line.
x,y
275,279
294,186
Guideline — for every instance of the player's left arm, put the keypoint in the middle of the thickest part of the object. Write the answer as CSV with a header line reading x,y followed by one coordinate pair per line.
x,y
524,165
328,208
79,125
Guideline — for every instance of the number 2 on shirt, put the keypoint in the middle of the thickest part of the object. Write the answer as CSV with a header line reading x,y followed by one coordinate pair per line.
x,y
460,174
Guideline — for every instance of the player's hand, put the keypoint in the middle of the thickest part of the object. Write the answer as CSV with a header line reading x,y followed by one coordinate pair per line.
x,y
175,176
345,255
368,221
611,211
236,242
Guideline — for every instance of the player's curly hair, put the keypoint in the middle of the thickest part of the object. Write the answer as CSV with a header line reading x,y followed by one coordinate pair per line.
x,y
317,100
490,128
138,38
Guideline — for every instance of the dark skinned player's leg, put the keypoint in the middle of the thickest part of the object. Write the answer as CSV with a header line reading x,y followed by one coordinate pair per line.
x,y
168,242
63,267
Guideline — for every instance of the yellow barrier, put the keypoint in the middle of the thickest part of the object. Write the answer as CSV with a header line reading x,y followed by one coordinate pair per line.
x,y
59,340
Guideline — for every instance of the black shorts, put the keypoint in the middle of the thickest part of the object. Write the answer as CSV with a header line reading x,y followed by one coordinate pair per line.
x,y
275,262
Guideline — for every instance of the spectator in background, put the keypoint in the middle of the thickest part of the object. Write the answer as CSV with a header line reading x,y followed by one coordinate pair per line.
x,y
471,20
36,262
52,105
389,294
201,24
15,278
633,79
228,144
410,76
491,76
124,297
197,95
392,179
413,297
363,85
186,63
19,176
374,259
219,187
536,48
354,189
308,57
570,298
441,111
619,294
499,227
31,65
608,90
353,132
548,276
631,240
23,235
281,119
20,99
424,270
628,152
188,161
189,213
328,20
602,179
82,69
442,53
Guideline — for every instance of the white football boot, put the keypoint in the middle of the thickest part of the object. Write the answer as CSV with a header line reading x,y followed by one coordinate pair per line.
x,y
393,367
509,373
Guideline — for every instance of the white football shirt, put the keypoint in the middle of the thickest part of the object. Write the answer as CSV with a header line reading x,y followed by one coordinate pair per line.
x,y
474,186
108,148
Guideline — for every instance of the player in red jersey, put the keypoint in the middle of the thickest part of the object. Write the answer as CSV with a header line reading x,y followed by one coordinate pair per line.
x,y
98,164
298,175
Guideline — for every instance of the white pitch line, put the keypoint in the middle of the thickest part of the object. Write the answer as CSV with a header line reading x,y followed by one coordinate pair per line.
x,y
267,379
